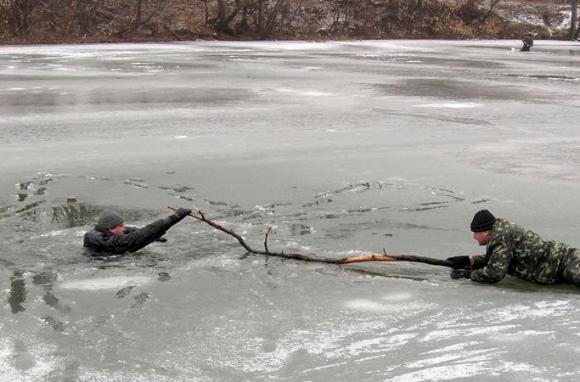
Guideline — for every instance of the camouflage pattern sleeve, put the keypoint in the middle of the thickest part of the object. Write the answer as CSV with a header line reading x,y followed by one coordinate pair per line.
x,y
479,261
496,267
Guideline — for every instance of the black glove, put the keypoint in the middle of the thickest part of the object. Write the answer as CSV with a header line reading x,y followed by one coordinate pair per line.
x,y
458,262
179,214
460,274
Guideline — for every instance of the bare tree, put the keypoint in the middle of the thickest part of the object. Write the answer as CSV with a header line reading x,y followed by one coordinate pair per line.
x,y
153,6
80,18
224,19
138,9
205,4
488,14
18,13
269,16
258,17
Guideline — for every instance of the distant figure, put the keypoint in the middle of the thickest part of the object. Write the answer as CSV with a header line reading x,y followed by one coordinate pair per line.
x,y
513,250
528,42
110,236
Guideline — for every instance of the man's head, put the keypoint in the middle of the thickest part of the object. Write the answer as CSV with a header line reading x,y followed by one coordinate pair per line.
x,y
110,221
481,226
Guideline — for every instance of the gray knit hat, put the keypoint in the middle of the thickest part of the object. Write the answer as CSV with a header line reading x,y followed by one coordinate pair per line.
x,y
107,220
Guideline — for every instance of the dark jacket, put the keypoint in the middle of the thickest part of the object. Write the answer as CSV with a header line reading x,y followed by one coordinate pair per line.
x,y
528,41
522,253
100,242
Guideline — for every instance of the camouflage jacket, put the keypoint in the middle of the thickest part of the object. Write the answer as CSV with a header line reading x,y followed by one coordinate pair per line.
x,y
521,253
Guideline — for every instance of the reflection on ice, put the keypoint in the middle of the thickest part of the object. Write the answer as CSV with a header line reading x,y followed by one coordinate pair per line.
x,y
386,342
539,309
523,336
376,307
307,93
463,356
463,332
106,283
444,373
451,105
400,296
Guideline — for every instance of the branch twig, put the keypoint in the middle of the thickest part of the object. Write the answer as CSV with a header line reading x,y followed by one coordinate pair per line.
x,y
297,256
266,239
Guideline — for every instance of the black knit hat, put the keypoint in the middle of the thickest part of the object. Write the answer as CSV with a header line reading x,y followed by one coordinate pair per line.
x,y
108,220
482,221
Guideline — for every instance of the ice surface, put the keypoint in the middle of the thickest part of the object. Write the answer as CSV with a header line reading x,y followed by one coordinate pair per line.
x,y
105,283
343,148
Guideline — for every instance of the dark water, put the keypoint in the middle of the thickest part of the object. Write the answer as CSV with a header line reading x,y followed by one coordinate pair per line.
x,y
340,148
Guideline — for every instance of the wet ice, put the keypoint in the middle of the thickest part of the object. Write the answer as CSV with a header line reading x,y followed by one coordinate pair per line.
x,y
105,283
344,148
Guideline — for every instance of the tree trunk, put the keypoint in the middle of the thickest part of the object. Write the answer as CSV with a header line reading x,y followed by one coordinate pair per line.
x,y
206,12
573,20
221,10
223,21
243,27
260,28
80,18
137,20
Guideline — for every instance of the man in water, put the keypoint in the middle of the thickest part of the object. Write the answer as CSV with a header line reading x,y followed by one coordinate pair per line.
x,y
528,42
513,250
110,236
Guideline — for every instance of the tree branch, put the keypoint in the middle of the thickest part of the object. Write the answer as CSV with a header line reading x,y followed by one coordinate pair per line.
x,y
266,239
297,256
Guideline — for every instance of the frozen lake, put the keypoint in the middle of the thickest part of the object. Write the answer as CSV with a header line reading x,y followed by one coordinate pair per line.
x,y
344,148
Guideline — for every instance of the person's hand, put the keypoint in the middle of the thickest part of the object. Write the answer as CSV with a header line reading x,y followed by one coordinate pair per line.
x,y
458,262
460,274
180,213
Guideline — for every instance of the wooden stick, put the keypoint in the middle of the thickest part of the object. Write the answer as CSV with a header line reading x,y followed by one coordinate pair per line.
x,y
364,259
411,258
297,256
